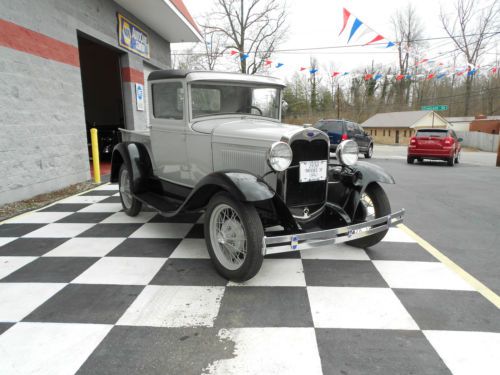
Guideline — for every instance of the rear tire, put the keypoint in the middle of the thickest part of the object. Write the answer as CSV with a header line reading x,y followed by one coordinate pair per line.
x,y
131,206
369,152
409,159
451,161
233,234
382,208
457,158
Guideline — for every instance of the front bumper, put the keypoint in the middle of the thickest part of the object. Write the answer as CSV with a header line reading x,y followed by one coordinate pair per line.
x,y
311,240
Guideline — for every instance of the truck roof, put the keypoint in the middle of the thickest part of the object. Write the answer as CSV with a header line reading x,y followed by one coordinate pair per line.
x,y
192,75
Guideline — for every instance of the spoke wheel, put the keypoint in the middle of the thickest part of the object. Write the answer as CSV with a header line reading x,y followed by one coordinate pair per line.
x,y
369,207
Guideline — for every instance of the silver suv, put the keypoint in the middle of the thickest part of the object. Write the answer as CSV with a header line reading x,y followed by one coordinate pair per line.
x,y
217,145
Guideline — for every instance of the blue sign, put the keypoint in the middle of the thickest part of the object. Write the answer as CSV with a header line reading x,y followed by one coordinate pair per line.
x,y
132,37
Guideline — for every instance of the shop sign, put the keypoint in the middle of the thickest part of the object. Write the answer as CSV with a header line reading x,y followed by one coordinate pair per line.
x,y
139,96
132,37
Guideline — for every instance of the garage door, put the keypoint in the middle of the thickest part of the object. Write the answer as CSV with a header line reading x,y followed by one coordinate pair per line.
x,y
147,69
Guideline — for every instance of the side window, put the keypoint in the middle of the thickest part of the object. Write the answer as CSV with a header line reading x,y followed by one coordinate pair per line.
x,y
351,130
360,130
168,100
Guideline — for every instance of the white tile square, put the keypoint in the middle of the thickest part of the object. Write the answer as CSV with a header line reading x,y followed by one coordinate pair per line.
x,y
49,348
103,207
60,230
277,272
397,235
162,230
86,247
291,351
17,300
121,271
359,308
38,217
10,264
6,240
83,199
420,275
123,218
467,353
174,306
336,252
107,187
116,194
191,248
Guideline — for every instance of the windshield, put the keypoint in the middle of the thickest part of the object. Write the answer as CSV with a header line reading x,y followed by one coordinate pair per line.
x,y
439,133
221,99
330,126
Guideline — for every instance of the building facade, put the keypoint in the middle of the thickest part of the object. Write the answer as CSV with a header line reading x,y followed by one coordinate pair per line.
x,y
67,66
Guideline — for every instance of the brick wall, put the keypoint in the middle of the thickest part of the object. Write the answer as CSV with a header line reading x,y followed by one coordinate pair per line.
x,y
43,145
485,126
387,136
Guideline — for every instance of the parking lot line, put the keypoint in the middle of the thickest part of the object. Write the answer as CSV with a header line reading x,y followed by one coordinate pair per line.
x,y
475,283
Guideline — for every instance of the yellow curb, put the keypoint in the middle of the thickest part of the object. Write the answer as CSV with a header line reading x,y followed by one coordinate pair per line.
x,y
471,280
51,204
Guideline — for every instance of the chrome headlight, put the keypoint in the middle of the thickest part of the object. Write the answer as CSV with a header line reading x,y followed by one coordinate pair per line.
x,y
347,152
279,156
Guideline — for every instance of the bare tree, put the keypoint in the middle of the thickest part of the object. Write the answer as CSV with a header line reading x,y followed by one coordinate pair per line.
x,y
253,27
471,31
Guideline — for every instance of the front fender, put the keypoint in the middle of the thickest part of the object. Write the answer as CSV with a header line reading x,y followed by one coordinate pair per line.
x,y
372,173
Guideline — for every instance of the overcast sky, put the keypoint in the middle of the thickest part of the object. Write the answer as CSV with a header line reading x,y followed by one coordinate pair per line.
x,y
316,23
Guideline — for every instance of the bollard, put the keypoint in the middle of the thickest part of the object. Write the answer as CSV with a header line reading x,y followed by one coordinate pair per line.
x,y
95,155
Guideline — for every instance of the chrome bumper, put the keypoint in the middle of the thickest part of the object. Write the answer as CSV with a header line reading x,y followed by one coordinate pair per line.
x,y
311,240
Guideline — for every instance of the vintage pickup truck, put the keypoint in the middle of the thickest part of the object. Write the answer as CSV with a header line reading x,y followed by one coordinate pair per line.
x,y
216,145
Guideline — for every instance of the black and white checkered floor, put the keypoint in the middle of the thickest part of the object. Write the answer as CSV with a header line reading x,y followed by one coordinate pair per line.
x,y
86,289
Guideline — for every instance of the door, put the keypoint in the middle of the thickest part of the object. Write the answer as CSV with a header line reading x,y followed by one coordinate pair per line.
x,y
397,136
147,69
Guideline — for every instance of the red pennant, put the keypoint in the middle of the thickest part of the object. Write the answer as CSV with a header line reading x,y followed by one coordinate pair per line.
x,y
268,62
335,74
460,73
399,77
347,14
376,39
431,76
494,69
233,53
368,76
302,68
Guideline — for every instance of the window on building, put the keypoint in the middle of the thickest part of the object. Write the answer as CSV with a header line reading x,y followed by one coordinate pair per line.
x,y
404,133
389,132
384,133
168,100
375,132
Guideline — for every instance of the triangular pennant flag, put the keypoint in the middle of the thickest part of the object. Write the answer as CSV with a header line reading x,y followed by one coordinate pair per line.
x,y
345,73
355,26
408,76
312,71
268,62
279,65
233,53
378,76
376,39
494,69
399,77
390,44
347,14
335,74
302,68
430,76
439,76
470,73
368,76
244,57
367,30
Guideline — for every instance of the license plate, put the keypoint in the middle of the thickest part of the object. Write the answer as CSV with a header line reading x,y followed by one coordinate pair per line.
x,y
314,170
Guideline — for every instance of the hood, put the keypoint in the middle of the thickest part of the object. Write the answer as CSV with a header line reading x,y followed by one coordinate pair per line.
x,y
245,130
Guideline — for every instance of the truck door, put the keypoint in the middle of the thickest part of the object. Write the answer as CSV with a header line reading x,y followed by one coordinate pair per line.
x,y
168,131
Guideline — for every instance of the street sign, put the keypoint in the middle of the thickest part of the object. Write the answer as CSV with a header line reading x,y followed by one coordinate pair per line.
x,y
434,108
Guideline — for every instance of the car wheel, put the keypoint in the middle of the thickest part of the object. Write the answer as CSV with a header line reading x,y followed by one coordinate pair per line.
x,y
409,159
375,204
233,233
420,160
131,205
369,153
457,158
451,161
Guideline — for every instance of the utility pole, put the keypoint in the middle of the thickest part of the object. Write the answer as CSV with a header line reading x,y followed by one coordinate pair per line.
x,y
338,101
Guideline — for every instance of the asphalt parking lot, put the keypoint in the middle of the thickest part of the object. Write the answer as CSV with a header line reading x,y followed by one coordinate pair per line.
x,y
86,289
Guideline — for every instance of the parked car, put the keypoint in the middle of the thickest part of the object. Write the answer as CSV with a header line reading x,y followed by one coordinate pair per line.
x,y
434,144
340,130
217,145
108,136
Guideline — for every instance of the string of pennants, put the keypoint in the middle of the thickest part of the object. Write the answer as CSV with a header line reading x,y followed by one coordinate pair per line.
x,y
367,36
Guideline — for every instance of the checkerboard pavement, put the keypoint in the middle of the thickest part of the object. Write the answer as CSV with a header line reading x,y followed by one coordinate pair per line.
x,y
86,289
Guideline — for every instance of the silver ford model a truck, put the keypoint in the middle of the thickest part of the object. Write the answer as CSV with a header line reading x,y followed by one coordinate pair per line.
x,y
217,145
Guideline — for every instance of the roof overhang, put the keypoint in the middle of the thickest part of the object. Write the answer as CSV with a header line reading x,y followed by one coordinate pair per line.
x,y
174,23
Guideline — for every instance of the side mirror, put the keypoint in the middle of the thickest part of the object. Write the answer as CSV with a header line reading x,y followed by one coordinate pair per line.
x,y
460,139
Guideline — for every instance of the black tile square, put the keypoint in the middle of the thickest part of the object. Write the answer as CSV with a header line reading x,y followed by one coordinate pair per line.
x,y
30,246
181,218
450,310
361,352
5,326
196,232
399,251
111,200
51,270
65,207
99,193
352,273
145,247
80,303
85,217
188,272
146,350
244,306
18,230
287,255
110,230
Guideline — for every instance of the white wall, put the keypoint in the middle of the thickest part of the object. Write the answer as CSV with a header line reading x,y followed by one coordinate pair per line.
x,y
481,141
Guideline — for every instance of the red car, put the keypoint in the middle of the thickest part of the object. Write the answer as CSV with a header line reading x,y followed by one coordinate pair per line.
x,y
434,144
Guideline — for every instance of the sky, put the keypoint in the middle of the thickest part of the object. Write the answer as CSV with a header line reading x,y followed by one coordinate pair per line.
x,y
317,23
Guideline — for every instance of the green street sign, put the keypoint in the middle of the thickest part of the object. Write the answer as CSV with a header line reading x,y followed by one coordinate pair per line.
x,y
434,108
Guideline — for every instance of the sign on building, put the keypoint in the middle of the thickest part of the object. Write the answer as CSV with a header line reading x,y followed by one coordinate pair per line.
x,y
132,37
434,108
139,96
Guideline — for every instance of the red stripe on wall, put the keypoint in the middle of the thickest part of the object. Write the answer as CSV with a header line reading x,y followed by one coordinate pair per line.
x,y
29,41
132,75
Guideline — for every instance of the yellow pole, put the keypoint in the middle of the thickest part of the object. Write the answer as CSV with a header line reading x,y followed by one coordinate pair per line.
x,y
95,155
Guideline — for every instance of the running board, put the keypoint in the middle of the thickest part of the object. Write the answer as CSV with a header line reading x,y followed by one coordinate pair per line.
x,y
164,205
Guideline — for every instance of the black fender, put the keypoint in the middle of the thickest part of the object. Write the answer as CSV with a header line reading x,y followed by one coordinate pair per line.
x,y
138,161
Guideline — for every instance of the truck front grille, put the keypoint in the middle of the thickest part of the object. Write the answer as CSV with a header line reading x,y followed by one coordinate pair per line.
x,y
306,193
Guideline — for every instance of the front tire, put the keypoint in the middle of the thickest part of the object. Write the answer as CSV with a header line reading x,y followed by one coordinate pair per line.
x,y
451,161
233,234
130,204
369,153
381,207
